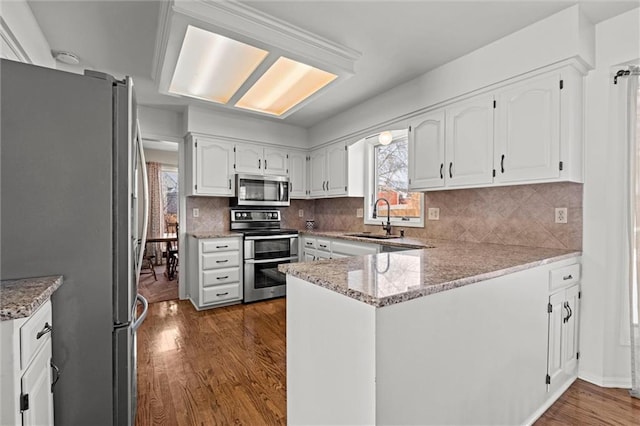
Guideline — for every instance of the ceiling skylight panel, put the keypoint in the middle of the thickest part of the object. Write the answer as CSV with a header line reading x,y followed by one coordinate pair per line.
x,y
213,67
284,85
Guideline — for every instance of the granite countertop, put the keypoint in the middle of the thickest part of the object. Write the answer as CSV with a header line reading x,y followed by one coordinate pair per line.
x,y
396,242
214,234
22,297
389,278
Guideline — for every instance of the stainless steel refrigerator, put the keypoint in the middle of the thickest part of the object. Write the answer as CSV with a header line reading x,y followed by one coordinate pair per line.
x,y
70,156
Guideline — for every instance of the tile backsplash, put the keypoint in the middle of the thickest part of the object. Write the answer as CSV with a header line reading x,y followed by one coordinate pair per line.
x,y
518,215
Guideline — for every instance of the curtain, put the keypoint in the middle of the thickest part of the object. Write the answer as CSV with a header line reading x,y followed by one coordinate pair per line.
x,y
156,216
632,133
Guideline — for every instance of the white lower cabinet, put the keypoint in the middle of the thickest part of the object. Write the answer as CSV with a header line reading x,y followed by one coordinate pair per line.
x,y
564,317
314,248
215,266
26,375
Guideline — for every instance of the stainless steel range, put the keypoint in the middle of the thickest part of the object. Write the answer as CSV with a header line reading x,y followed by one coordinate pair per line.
x,y
266,246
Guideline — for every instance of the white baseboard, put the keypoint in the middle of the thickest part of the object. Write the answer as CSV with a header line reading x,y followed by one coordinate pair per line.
x,y
550,401
606,382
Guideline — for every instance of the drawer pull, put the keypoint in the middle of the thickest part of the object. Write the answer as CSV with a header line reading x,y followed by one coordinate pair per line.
x,y
567,277
222,261
57,371
222,246
323,246
47,329
308,244
222,294
222,278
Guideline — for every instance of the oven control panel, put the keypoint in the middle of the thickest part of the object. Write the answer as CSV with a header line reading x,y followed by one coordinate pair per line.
x,y
255,215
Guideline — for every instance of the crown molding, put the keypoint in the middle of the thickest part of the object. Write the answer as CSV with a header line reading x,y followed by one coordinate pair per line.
x,y
162,39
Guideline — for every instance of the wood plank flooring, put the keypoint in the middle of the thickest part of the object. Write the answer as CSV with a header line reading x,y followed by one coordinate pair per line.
x,y
158,290
228,366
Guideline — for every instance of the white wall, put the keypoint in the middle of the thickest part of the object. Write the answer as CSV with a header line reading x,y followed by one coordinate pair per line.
x,y
160,156
19,30
200,120
604,360
161,124
561,36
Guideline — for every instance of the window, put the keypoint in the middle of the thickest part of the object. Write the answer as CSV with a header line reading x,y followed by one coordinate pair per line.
x,y
169,188
388,178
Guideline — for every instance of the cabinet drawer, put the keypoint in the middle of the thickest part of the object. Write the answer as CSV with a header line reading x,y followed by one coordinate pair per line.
x,y
225,244
220,293
353,249
309,243
219,260
220,276
562,277
30,343
323,245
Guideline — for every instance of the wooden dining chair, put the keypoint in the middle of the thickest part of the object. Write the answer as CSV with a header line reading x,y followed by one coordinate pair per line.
x,y
172,250
148,259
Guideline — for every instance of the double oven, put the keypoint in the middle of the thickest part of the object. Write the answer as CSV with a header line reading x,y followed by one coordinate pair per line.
x,y
266,246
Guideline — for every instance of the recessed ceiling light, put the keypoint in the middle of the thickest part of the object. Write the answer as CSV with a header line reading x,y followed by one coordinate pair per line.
x,y
213,67
284,85
66,57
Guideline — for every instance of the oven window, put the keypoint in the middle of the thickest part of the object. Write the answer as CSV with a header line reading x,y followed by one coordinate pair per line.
x,y
267,275
272,249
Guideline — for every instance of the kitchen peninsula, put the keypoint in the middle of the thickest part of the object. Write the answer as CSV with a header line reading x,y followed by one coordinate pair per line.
x,y
461,333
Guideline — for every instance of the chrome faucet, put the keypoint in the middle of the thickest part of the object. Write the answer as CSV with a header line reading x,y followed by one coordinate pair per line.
x,y
386,227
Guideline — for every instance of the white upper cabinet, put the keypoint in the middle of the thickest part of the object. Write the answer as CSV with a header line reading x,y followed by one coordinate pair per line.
x,y
256,160
469,142
337,169
528,130
318,172
298,174
212,167
426,151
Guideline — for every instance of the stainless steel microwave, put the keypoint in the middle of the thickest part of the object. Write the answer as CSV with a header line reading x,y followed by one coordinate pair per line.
x,y
257,190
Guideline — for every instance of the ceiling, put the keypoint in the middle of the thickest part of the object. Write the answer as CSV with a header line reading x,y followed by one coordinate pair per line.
x,y
399,40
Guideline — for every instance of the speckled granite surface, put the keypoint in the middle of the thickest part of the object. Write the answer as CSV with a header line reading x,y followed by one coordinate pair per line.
x,y
214,234
20,298
389,278
396,242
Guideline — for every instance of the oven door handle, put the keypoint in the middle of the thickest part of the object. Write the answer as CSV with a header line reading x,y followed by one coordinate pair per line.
x,y
272,237
278,260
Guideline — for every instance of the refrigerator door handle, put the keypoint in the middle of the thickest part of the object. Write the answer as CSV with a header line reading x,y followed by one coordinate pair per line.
x,y
145,308
145,203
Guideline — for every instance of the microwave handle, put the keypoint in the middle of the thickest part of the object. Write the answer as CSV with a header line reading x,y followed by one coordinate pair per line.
x,y
281,191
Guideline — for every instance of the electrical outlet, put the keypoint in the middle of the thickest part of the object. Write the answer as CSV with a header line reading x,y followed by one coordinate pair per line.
x,y
359,213
561,215
433,213
196,212
300,213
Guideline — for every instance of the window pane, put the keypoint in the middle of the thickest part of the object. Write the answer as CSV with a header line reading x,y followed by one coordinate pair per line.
x,y
170,195
392,180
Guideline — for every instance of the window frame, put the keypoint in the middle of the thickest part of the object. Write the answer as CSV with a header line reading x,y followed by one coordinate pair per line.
x,y
370,184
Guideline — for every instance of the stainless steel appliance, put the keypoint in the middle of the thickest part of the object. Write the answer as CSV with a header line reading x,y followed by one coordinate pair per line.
x,y
265,191
266,246
70,158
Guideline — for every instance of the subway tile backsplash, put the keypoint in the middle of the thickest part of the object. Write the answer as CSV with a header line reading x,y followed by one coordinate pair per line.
x,y
518,215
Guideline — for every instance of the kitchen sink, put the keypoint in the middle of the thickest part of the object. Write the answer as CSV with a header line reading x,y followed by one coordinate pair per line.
x,y
373,236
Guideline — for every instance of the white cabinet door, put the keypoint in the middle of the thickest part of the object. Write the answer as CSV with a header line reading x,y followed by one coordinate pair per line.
x,y
554,347
297,174
426,151
528,130
336,169
213,168
469,142
570,354
36,382
276,162
317,172
309,256
249,159
564,319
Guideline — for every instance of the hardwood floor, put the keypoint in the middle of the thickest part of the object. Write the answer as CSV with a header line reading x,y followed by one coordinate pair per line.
x,y
228,366
158,290
215,367
587,404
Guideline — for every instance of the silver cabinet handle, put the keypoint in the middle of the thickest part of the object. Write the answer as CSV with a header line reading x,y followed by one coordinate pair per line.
x,y
323,246
45,330
567,277
222,246
229,183
222,261
259,163
222,294
222,278
265,164
57,374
